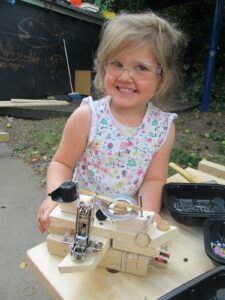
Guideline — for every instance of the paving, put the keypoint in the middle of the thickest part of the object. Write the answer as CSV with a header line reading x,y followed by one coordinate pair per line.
x,y
20,197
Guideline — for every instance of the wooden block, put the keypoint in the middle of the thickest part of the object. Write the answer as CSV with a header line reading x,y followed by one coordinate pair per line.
x,y
212,168
4,137
125,262
69,207
135,244
91,261
113,259
60,230
59,218
72,206
136,224
56,246
120,238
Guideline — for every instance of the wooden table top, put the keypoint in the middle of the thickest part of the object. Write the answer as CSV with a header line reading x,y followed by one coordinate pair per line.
x,y
188,260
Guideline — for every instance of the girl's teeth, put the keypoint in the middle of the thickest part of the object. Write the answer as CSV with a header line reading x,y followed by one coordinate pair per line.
x,y
126,90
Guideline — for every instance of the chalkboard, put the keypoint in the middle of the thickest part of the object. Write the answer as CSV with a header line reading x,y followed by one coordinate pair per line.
x,y
32,57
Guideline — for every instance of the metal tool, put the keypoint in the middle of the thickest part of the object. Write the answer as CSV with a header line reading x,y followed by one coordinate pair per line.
x,y
84,221
81,243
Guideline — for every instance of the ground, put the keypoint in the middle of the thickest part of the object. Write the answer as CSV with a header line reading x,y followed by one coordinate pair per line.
x,y
198,135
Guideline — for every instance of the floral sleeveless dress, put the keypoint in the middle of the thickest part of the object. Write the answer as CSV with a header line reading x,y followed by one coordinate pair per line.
x,y
117,156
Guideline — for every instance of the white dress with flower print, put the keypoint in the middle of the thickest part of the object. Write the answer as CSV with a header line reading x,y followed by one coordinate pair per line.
x,y
117,156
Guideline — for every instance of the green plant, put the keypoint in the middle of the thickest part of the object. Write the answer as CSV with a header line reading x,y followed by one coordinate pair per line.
x,y
45,142
184,158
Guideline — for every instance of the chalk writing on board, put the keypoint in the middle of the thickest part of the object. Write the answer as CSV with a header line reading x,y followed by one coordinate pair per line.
x,y
29,45
16,59
36,34
56,65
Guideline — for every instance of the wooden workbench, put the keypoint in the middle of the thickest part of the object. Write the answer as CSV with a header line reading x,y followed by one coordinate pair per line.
x,y
188,260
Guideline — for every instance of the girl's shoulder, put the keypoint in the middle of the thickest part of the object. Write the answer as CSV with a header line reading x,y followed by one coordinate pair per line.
x,y
156,113
95,109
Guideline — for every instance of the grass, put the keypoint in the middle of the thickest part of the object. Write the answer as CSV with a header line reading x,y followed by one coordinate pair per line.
x,y
45,139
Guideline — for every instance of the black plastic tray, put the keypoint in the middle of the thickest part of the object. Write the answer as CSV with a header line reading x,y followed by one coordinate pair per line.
x,y
208,286
214,230
191,203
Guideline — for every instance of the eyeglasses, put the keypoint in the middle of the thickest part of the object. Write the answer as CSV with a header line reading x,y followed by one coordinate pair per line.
x,y
140,72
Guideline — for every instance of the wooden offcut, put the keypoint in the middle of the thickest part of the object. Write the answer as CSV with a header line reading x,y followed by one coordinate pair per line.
x,y
4,137
212,168
24,103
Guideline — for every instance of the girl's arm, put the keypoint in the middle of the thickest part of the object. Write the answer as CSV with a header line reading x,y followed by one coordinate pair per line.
x,y
72,145
155,178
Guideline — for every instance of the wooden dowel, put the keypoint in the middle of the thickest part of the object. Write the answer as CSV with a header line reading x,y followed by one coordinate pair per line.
x,y
82,191
191,178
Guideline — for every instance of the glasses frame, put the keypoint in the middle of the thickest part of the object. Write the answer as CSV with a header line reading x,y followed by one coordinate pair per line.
x,y
158,71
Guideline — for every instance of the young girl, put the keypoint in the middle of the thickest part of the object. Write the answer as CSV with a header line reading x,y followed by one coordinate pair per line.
x,y
121,143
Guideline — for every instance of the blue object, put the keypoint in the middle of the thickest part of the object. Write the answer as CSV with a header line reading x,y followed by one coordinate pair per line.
x,y
12,1
212,55
73,96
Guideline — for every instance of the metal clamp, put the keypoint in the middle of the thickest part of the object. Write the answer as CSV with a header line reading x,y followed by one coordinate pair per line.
x,y
84,221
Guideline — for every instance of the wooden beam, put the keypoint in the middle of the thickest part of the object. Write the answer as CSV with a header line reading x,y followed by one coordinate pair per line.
x,y
212,168
31,103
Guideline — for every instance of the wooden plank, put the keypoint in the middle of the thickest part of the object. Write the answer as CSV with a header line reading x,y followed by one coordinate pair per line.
x,y
102,285
61,286
189,176
43,103
212,168
202,175
28,100
68,264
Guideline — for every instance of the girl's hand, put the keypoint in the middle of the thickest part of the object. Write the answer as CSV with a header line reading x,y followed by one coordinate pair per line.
x,y
43,214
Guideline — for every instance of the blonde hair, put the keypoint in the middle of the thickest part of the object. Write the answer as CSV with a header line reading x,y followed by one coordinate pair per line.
x,y
136,30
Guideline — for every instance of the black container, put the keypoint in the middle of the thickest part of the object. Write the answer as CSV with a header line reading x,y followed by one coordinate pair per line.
x,y
214,230
191,203
208,286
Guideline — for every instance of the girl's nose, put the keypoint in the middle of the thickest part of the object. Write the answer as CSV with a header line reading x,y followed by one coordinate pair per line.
x,y
125,74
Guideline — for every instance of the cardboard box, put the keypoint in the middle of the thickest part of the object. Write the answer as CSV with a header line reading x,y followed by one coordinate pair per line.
x,y
84,82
